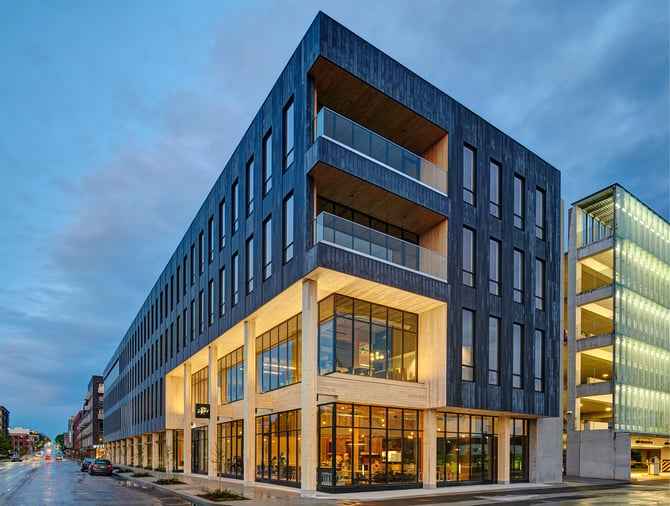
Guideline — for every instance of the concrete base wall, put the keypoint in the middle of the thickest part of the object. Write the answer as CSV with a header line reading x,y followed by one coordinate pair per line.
x,y
602,454
546,451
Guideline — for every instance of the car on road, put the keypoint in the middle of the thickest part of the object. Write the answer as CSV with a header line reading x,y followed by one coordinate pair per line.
x,y
15,457
59,456
47,457
86,463
100,466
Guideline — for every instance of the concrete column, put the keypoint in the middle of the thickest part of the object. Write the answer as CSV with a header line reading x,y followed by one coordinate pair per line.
x,y
213,402
249,402
188,414
169,455
429,448
154,450
574,363
310,323
545,455
127,452
504,433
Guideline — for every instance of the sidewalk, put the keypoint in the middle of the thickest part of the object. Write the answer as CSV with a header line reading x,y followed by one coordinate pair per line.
x,y
263,494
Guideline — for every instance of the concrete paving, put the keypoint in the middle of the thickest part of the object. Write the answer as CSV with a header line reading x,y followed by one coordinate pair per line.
x,y
263,494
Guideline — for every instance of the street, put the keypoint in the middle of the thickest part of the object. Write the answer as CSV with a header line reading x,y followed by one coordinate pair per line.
x,y
49,483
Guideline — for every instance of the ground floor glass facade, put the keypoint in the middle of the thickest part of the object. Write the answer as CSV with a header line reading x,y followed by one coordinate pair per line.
x,y
369,446
278,448
230,449
199,450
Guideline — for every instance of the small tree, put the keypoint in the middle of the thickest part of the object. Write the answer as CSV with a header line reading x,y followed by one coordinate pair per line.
x,y
218,456
5,444
168,459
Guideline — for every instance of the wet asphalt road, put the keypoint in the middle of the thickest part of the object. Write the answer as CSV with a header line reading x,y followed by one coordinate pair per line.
x,y
48,483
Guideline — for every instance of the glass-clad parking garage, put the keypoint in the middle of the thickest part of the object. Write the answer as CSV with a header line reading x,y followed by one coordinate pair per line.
x,y
618,327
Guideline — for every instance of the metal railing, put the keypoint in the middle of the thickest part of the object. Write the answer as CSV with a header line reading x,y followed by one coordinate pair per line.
x,y
352,236
355,137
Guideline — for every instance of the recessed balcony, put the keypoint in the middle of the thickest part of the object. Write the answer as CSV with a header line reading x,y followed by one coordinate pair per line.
x,y
357,138
348,235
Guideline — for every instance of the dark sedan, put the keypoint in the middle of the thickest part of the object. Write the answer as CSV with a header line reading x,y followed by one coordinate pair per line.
x,y
85,463
100,466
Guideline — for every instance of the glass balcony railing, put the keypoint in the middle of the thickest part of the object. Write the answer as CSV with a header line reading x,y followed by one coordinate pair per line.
x,y
352,236
357,138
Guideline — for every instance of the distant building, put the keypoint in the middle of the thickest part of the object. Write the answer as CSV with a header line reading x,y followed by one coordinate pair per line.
x,y
91,424
76,436
618,336
4,421
21,440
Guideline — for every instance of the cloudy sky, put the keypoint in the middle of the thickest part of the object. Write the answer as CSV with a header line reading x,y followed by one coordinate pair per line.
x,y
117,117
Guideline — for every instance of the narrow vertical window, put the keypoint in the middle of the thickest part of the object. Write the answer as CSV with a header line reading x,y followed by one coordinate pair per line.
x,y
267,248
222,291
234,282
494,188
539,213
211,238
539,284
192,263
178,276
184,274
517,356
210,302
201,251
201,307
539,360
467,346
267,162
519,202
235,203
222,224
494,266
468,175
468,257
250,186
185,326
288,228
178,327
518,276
172,291
494,350
250,264
288,133
193,316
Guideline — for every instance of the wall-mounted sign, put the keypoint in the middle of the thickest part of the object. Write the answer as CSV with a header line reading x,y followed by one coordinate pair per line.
x,y
202,410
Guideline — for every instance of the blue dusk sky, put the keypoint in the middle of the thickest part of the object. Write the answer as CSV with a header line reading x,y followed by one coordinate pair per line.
x,y
116,118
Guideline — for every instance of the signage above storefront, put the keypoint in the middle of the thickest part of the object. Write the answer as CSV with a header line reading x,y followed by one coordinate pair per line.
x,y
202,410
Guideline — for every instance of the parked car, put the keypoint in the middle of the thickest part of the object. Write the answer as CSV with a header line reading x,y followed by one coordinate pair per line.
x,y
100,466
15,457
59,456
86,463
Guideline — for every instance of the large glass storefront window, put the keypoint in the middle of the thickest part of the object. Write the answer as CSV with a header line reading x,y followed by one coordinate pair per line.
x,y
278,448
149,451
466,449
231,376
229,459
199,450
369,446
278,355
518,449
365,339
177,454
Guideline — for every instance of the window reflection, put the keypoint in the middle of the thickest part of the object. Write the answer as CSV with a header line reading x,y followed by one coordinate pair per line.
x,y
278,355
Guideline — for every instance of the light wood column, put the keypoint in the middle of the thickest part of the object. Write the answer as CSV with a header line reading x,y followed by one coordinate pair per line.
x,y
127,459
213,402
504,433
143,442
249,451
188,413
310,322
154,450
429,448
169,451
